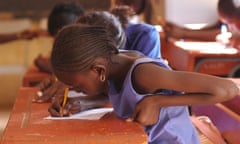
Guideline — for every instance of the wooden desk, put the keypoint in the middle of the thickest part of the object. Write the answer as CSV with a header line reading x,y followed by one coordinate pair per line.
x,y
205,57
26,125
228,126
33,76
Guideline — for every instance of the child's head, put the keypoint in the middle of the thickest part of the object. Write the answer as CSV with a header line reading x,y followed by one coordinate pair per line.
x,y
80,56
123,13
107,20
63,14
229,13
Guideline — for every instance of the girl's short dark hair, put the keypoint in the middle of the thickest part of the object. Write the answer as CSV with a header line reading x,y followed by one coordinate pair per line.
x,y
226,8
62,14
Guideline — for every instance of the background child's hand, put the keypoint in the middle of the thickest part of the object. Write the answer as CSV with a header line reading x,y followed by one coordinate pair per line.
x,y
172,30
49,88
146,112
43,64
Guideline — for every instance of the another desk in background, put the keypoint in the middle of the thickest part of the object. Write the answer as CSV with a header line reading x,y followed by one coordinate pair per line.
x,y
26,125
33,76
204,57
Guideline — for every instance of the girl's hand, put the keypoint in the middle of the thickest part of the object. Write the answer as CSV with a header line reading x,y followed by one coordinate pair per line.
x,y
56,109
146,112
75,105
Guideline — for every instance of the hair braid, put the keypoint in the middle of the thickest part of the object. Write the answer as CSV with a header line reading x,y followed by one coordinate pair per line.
x,y
110,22
77,46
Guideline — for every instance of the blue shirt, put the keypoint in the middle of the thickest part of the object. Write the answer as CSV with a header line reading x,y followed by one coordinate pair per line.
x,y
174,125
144,38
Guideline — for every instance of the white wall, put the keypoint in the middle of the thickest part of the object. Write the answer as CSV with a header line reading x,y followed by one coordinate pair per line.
x,y
183,12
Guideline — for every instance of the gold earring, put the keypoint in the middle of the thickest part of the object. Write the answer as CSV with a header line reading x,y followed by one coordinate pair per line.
x,y
102,77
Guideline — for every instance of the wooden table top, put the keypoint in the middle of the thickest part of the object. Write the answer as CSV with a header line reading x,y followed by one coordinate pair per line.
x,y
26,125
205,57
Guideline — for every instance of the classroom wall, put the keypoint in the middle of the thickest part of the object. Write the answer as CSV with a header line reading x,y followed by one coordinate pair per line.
x,y
17,56
183,12
37,9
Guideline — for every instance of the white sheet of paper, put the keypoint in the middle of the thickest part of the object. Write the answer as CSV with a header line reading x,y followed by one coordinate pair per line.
x,y
73,93
93,114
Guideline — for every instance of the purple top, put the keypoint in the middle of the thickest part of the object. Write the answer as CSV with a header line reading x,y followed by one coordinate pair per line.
x,y
174,125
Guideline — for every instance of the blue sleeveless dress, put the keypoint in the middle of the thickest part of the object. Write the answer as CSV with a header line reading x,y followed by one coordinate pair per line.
x,y
174,125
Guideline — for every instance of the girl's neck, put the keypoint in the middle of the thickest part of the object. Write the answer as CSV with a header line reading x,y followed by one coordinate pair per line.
x,y
121,63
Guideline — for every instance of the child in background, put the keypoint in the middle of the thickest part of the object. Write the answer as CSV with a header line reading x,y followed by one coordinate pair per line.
x,y
86,58
141,37
62,14
229,13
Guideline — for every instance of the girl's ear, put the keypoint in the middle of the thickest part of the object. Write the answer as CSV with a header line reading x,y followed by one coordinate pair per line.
x,y
99,68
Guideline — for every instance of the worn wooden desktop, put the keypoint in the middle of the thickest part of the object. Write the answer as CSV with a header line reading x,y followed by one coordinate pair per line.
x,y
204,57
26,125
33,76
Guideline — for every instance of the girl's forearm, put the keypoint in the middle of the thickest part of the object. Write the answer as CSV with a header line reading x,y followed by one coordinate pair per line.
x,y
185,99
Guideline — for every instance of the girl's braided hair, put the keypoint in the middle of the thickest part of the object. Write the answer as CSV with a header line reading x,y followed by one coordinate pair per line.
x,y
109,21
77,46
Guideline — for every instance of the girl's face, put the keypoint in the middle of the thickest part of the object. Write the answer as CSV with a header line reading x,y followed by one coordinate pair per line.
x,y
87,82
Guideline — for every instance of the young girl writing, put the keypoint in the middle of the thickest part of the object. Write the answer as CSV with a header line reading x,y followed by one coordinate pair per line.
x,y
87,59
139,37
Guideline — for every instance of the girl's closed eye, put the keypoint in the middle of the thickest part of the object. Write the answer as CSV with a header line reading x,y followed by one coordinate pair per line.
x,y
77,89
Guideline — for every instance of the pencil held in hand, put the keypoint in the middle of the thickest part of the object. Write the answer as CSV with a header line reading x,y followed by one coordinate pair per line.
x,y
64,101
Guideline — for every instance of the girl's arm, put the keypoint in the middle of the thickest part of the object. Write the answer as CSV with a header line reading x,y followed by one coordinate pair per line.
x,y
199,88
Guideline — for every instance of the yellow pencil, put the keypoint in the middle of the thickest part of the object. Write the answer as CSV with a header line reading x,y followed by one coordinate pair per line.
x,y
64,102
65,97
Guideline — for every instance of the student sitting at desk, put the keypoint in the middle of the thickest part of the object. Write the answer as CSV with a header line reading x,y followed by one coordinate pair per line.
x,y
86,58
228,12
140,37
62,14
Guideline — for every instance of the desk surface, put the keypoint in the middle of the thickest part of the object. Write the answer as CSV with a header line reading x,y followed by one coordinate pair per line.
x,y
26,125
204,57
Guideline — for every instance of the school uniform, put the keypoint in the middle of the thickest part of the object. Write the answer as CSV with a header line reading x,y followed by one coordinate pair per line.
x,y
174,125
144,38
